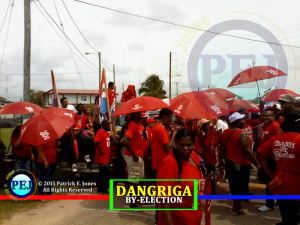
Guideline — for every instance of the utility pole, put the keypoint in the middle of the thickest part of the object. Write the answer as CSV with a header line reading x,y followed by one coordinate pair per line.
x,y
27,50
99,57
170,72
114,74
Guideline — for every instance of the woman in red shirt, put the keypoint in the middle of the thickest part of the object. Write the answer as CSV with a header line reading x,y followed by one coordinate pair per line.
x,y
89,123
47,165
181,163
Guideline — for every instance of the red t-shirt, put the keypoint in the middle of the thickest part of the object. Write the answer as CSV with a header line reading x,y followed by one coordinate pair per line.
x,y
269,130
50,150
80,121
248,130
285,149
160,137
279,121
111,96
169,170
233,151
102,137
209,148
23,150
136,142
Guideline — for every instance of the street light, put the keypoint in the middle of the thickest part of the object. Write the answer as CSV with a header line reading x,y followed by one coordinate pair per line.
x,y
99,57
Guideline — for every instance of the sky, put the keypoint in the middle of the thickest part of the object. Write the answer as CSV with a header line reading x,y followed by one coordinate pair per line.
x,y
139,47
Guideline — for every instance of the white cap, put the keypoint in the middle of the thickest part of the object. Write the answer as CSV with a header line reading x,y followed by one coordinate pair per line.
x,y
235,116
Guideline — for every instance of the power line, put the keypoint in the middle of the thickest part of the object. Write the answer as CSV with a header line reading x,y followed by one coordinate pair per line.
x,y
43,74
82,34
185,26
67,36
5,16
10,13
60,36
63,29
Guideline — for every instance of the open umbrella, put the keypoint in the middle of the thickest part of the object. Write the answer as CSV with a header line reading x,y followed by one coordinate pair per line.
x,y
198,105
4,123
49,125
140,104
236,104
275,95
220,92
256,73
20,108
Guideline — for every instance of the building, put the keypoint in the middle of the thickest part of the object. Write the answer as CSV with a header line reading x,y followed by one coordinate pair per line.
x,y
74,97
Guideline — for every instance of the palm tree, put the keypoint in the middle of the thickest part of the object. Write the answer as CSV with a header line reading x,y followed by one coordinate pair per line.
x,y
153,86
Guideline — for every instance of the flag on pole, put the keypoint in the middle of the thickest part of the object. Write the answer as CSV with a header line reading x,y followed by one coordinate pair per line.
x,y
54,90
102,94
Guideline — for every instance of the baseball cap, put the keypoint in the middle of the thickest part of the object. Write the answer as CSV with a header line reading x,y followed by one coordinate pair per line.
x,y
150,120
235,116
105,122
297,102
287,98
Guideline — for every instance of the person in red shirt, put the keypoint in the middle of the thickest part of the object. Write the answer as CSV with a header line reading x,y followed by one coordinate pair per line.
x,y
22,151
80,125
270,129
161,143
46,165
102,156
111,93
181,163
284,148
134,143
130,93
235,148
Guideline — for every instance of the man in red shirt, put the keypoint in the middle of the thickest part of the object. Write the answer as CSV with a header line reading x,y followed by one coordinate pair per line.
x,y
236,149
102,156
135,148
161,143
284,148
270,129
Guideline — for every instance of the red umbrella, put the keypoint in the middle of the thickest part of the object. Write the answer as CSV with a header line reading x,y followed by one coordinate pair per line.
x,y
236,104
256,73
20,108
275,95
140,104
51,124
198,105
220,92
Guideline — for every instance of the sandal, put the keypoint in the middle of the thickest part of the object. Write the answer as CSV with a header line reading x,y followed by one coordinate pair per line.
x,y
239,212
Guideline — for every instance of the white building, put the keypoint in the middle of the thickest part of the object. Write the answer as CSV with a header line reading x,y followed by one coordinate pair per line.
x,y
74,97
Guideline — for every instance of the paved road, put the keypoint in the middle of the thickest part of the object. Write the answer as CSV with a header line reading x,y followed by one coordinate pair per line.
x,y
96,212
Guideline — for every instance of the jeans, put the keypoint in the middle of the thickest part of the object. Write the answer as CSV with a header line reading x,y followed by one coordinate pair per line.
x,y
68,148
45,175
103,178
86,144
22,163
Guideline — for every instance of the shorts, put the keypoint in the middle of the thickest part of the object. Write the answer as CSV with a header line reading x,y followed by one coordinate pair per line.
x,y
135,169
238,177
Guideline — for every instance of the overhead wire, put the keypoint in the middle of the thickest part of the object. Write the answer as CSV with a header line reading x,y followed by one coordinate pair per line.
x,y
185,26
67,36
5,16
83,34
7,31
63,30
61,36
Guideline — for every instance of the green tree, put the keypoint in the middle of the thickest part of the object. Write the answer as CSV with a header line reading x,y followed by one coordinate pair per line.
x,y
36,97
153,86
239,97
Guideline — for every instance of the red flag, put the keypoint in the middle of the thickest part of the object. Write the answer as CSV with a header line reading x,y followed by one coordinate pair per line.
x,y
54,90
